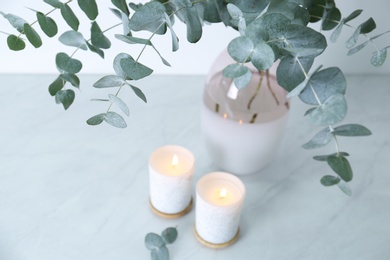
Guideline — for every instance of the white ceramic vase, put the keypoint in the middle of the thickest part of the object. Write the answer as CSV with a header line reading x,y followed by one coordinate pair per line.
x,y
243,130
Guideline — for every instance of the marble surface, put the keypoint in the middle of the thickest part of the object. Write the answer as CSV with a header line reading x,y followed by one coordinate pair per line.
x,y
69,191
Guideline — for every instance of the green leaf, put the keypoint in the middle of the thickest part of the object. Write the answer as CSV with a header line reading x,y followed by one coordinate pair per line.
x,y
56,86
234,11
353,39
169,235
126,24
116,12
175,40
54,3
32,36
299,36
193,23
331,16
336,33
69,17
96,120
243,81
115,119
47,24
16,21
66,97
368,26
153,241
95,49
139,93
133,40
352,130
135,70
149,17
289,73
303,52
117,64
325,83
161,253
161,57
379,57
68,64
324,158
119,102
73,38
341,166
345,188
332,111
321,139
100,99
110,81
267,27
298,89
89,7
329,180
15,43
98,39
71,78
241,48
357,48
353,15
263,56
121,5
235,70
293,11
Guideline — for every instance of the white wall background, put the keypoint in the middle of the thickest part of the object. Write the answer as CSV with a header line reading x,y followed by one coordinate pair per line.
x,y
189,59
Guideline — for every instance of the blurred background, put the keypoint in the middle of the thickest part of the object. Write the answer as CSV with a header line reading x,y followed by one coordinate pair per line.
x,y
190,58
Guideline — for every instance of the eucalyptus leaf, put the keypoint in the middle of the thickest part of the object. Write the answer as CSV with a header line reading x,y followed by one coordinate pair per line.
x,y
321,139
353,39
109,81
323,158
68,64
149,17
336,33
175,40
133,40
73,38
165,62
56,86
332,111
71,78
96,120
135,70
121,5
352,130
119,102
95,49
139,93
234,11
169,235
242,81
153,241
161,253
289,73
345,188
98,39
47,24
235,70
353,15
115,119
368,26
89,7
293,11
263,56
69,16
298,89
357,48
267,27
331,19
16,21
116,12
325,83
126,24
303,52
341,166
117,64
32,36
54,3
379,57
329,180
15,43
241,48
193,23
66,97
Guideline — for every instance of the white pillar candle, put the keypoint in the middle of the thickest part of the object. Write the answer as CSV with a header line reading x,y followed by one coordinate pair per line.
x,y
219,199
170,176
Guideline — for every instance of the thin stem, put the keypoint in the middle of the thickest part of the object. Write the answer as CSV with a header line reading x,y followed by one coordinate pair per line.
x,y
270,88
257,90
117,93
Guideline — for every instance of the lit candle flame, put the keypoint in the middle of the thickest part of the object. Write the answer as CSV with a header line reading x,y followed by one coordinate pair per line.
x,y
225,115
222,193
240,122
175,160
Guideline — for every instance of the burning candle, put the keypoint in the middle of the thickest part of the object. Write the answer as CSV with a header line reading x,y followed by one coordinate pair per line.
x,y
219,199
170,176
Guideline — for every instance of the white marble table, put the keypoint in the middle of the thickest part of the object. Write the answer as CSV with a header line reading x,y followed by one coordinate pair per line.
x,y
69,191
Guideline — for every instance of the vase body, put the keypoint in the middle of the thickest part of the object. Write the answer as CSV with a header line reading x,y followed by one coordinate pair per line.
x,y
242,129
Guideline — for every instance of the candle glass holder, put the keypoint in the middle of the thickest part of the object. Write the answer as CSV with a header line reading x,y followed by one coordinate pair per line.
x,y
242,129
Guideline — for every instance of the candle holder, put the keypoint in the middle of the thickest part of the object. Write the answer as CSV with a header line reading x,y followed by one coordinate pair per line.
x,y
219,199
170,177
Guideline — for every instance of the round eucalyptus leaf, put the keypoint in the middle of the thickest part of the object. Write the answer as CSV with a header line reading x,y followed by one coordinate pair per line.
x,y
109,81
345,188
15,43
16,21
329,180
115,119
32,36
56,86
331,19
65,97
148,17
379,57
341,166
153,241
119,102
73,38
71,78
289,73
299,36
117,64
65,63
234,11
321,139
89,7
169,235
243,81
332,111
235,70
161,253
325,83
263,56
96,120
323,158
47,24
69,16
241,48
134,70
368,26
98,39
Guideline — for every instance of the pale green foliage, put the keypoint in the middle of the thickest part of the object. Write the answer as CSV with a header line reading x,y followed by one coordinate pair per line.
x,y
157,244
268,31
